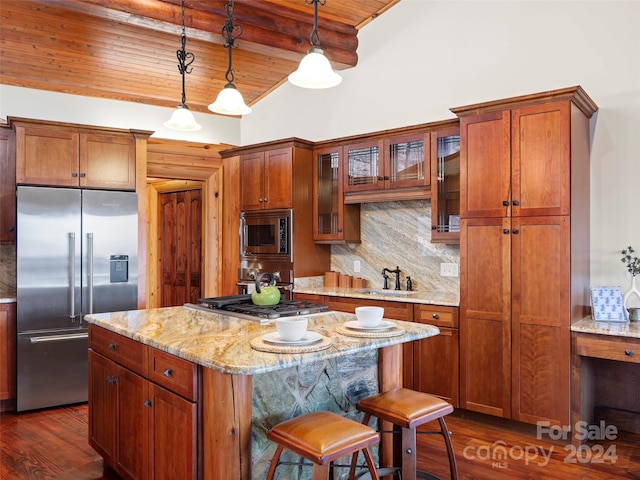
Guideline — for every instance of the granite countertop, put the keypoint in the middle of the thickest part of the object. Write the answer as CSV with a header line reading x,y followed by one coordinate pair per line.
x,y
222,342
7,296
618,329
426,297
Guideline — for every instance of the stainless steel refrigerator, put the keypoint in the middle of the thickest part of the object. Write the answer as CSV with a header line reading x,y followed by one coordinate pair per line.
x,y
77,253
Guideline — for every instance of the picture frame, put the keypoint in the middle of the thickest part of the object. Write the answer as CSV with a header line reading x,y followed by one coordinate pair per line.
x,y
607,304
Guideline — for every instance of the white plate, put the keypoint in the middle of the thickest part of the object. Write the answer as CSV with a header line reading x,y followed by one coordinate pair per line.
x,y
356,325
307,339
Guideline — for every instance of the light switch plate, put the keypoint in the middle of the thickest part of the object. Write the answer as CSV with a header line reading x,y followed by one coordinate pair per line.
x,y
448,269
356,266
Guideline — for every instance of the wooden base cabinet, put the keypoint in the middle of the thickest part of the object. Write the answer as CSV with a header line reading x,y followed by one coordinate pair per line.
x,y
7,351
524,251
436,359
65,155
142,429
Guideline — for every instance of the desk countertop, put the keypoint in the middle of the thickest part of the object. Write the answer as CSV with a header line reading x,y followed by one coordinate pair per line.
x,y
618,329
222,342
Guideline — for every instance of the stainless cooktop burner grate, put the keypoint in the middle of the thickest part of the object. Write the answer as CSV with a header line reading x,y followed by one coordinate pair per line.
x,y
243,304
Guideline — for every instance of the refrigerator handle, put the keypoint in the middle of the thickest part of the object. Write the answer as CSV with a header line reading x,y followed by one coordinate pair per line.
x,y
72,276
90,272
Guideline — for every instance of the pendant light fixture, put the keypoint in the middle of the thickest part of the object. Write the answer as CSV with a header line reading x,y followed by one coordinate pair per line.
x,y
182,118
229,100
315,70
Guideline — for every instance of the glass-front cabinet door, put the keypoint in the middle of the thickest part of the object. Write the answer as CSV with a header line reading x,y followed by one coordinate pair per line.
x,y
364,168
445,186
333,221
407,161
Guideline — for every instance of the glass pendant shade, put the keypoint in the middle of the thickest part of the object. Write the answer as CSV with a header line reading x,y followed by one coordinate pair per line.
x,y
182,119
230,102
315,71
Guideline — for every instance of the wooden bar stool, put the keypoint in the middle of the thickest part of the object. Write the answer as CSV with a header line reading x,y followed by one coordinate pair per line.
x,y
408,410
322,437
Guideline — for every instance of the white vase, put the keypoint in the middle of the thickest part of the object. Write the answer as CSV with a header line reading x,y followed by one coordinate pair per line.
x,y
629,294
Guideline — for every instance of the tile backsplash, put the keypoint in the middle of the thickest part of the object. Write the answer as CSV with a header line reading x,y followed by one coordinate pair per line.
x,y
7,268
398,234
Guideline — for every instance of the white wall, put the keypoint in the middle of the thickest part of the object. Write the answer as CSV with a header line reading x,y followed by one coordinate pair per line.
x,y
422,57
61,107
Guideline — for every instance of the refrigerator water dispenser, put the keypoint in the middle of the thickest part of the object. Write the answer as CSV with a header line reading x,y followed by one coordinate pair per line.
x,y
119,268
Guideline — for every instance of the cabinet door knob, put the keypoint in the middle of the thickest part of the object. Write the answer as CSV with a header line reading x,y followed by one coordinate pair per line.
x,y
505,203
386,178
265,200
379,179
505,231
147,403
112,346
83,175
435,315
74,174
628,353
111,380
516,231
516,203
167,372
260,200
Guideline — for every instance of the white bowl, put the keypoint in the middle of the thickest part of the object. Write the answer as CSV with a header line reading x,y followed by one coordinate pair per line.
x,y
291,329
369,316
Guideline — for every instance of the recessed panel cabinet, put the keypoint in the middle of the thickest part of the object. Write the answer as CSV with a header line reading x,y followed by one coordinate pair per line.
x,y
524,251
143,408
7,351
71,157
267,179
7,186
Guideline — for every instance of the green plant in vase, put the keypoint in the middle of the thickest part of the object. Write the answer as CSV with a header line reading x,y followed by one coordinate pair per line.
x,y
633,267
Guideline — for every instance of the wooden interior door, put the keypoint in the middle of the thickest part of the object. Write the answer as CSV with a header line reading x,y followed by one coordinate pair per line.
x,y
180,247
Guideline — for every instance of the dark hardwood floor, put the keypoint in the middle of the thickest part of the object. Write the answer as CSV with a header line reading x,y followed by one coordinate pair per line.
x,y
52,444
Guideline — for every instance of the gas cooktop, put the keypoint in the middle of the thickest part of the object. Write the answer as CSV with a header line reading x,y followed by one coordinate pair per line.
x,y
242,306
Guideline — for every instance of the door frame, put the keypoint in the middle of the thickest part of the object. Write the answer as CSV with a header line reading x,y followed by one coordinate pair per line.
x,y
173,165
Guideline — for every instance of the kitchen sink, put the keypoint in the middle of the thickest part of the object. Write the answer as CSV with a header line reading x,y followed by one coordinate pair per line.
x,y
385,293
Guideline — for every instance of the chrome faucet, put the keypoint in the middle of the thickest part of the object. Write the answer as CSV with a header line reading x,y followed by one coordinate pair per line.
x,y
385,277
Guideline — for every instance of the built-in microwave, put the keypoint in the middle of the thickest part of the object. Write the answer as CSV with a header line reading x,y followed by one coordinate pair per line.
x,y
266,232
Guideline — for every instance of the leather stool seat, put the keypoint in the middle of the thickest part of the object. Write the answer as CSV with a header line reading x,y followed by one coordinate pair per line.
x,y
408,409
405,408
322,437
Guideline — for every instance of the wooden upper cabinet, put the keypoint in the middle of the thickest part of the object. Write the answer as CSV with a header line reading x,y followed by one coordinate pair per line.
x,y
385,169
445,186
107,161
333,221
267,179
47,156
517,162
541,159
72,157
485,171
7,186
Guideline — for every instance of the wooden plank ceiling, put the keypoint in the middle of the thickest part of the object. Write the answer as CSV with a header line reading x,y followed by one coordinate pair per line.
x,y
126,49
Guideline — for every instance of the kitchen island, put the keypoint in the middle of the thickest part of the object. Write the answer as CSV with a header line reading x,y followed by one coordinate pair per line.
x,y
239,385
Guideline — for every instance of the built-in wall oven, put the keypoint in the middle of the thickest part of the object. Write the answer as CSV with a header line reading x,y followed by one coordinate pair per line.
x,y
266,245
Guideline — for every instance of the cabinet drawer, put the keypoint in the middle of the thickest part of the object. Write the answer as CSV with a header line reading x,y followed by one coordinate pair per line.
x,y
120,349
392,310
176,374
436,315
609,347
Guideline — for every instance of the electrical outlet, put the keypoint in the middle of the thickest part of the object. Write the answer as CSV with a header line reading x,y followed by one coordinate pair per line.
x,y
356,266
448,269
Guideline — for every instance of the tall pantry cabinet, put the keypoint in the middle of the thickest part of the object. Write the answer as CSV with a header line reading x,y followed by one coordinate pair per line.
x,y
524,251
